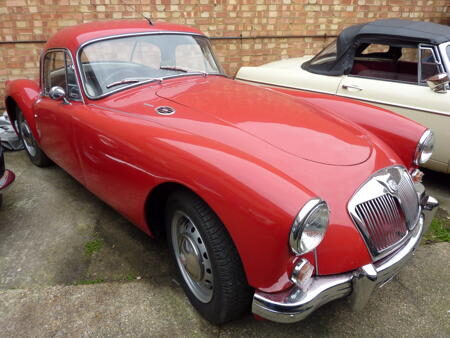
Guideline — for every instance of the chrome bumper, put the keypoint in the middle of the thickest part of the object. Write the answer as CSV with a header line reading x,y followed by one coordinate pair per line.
x,y
6,180
294,305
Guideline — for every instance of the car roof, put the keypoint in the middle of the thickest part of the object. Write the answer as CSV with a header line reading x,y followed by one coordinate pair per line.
x,y
427,32
396,32
73,37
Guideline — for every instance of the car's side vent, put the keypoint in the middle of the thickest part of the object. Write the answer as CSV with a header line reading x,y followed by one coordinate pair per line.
x,y
165,110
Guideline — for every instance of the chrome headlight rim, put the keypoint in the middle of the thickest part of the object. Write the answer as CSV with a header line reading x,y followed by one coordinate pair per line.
x,y
300,224
426,137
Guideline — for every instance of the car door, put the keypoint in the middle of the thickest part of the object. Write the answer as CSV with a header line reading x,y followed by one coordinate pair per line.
x,y
400,86
54,118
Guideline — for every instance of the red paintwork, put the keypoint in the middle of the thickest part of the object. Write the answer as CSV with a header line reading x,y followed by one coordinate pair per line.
x,y
254,155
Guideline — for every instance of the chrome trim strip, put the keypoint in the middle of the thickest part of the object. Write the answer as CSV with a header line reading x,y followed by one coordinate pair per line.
x,y
293,305
118,36
436,112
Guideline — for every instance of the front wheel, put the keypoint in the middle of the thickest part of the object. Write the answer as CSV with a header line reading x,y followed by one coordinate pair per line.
x,y
208,265
36,155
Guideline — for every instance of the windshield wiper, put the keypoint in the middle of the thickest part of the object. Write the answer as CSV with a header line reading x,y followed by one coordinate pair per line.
x,y
184,70
133,80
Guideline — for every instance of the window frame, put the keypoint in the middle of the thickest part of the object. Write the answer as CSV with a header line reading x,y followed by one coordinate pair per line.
x,y
420,47
42,77
436,56
443,52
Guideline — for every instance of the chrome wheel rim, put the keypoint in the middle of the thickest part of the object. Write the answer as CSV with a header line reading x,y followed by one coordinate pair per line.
x,y
192,257
27,137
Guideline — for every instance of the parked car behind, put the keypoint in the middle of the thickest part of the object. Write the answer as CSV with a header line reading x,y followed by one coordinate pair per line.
x,y
6,176
400,65
269,203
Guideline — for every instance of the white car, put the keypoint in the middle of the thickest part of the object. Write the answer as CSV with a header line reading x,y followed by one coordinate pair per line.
x,y
400,65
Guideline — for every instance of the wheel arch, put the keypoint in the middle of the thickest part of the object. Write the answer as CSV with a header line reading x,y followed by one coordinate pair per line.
x,y
156,202
22,94
11,109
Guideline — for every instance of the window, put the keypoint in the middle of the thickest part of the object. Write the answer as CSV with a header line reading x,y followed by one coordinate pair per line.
x,y
429,66
386,62
117,63
54,71
60,71
326,56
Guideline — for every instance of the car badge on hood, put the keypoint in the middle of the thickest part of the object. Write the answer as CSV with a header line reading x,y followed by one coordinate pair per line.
x,y
165,110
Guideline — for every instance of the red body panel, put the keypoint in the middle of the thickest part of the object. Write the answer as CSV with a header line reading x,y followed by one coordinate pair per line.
x,y
25,93
255,156
398,132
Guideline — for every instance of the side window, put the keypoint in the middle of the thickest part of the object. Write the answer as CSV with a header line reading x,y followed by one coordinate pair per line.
x,y
386,62
429,65
59,71
73,91
54,71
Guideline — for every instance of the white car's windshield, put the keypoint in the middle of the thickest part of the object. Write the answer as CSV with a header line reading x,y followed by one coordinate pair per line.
x,y
448,52
116,63
328,54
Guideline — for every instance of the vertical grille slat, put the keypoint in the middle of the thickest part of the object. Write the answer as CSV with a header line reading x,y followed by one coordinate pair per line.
x,y
384,221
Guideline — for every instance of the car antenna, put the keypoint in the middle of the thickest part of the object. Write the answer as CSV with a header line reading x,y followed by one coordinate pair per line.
x,y
148,19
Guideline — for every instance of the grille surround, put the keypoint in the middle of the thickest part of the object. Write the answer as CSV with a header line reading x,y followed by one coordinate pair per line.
x,y
385,210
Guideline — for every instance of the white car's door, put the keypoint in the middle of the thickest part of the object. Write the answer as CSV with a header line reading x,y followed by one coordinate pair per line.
x,y
409,96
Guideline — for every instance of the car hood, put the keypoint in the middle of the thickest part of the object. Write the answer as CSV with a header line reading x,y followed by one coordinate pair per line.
x,y
278,119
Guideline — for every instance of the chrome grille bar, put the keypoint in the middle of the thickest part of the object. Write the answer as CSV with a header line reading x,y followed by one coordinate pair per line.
x,y
384,221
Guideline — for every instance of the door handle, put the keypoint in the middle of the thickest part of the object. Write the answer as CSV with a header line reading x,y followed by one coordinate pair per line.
x,y
352,88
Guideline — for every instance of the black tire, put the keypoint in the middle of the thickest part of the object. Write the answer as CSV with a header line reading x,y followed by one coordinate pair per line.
x,y
35,153
1,200
231,294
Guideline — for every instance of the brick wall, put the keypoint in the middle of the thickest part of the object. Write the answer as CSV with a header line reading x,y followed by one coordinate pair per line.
x,y
31,20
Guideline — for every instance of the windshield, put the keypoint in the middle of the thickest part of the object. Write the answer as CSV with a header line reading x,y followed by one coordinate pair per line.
x,y
448,52
327,55
116,63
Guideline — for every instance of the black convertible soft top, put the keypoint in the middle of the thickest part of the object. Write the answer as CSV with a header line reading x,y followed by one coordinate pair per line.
x,y
400,33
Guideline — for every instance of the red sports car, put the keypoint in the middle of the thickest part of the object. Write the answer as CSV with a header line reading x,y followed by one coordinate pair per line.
x,y
272,202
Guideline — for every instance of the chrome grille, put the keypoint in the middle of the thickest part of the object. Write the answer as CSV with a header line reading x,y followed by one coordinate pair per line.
x,y
385,209
383,220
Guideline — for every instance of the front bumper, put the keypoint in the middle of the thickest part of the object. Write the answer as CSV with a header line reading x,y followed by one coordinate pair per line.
x,y
294,305
6,180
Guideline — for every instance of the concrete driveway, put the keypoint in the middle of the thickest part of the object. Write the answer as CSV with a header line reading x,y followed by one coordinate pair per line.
x,y
72,266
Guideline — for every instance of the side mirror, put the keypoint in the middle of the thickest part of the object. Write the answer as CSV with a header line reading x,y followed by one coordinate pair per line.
x,y
438,83
57,93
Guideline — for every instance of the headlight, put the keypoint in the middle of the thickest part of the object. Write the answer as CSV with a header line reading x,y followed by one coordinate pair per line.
x,y
309,226
424,148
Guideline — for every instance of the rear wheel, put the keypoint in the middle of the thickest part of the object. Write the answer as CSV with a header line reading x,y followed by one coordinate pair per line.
x,y
208,265
37,156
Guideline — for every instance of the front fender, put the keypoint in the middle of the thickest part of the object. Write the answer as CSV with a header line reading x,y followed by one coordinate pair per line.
x,y
22,94
398,132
